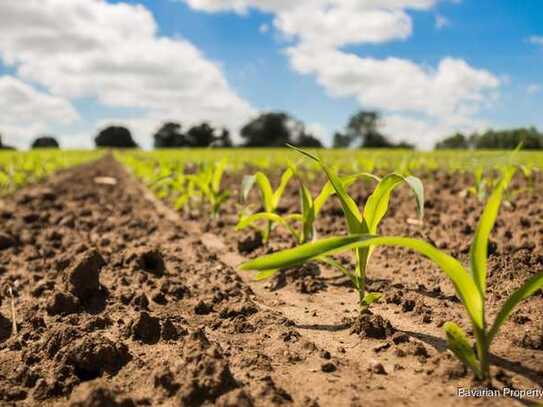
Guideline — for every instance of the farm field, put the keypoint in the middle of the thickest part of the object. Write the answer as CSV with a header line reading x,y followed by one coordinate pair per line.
x,y
122,281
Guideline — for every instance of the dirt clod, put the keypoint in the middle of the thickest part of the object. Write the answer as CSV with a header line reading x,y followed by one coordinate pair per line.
x,y
83,279
372,326
146,328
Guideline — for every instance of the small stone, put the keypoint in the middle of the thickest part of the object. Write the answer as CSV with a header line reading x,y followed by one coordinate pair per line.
x,y
328,367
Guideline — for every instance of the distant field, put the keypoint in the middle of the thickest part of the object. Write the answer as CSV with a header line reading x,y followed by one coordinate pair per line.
x,y
352,159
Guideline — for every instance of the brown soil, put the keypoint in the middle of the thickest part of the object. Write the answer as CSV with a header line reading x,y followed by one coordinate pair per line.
x,y
120,302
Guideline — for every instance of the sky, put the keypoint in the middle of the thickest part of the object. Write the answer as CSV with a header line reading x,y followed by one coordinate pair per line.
x,y
430,67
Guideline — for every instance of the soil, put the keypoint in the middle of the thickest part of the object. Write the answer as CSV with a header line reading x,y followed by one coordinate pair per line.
x,y
110,298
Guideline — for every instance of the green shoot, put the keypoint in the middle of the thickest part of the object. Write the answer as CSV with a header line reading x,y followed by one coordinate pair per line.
x,y
470,284
366,222
208,181
270,201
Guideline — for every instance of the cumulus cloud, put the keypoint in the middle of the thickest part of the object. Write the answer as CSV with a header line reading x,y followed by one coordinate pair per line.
x,y
320,30
114,54
26,112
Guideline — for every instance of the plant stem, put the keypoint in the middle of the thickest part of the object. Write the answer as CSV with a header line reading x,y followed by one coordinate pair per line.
x,y
482,353
360,273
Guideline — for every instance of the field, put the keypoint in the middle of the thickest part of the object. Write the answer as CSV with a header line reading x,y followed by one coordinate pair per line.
x,y
125,278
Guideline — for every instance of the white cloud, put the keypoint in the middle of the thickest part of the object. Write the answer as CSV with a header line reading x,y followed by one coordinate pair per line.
x,y
441,22
264,28
320,29
533,88
397,84
536,40
113,53
330,22
424,132
26,112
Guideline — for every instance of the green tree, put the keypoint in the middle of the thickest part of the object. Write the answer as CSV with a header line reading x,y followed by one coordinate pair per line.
x,y
456,141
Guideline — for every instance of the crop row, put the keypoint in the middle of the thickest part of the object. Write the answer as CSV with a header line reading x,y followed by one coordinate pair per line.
x,y
20,168
203,182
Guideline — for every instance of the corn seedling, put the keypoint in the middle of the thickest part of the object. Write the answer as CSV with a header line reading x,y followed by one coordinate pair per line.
x,y
270,202
470,284
366,222
208,182
311,207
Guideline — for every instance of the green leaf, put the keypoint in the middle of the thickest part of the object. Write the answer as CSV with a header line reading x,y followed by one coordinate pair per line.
x,y
326,191
246,185
264,275
377,205
328,188
417,187
247,221
529,288
308,214
370,298
460,346
285,178
217,176
265,191
465,286
479,246
352,214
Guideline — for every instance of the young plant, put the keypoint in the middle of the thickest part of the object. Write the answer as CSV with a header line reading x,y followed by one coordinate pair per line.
x,y
312,207
208,181
470,284
366,222
270,202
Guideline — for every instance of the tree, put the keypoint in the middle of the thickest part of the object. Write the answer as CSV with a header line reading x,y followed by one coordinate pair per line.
x,y
307,140
456,141
170,136
45,142
276,129
376,140
3,146
202,135
364,126
530,138
115,137
267,130
342,140
223,140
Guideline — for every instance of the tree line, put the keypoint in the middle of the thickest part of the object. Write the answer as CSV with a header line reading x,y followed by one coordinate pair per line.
x,y
530,138
275,129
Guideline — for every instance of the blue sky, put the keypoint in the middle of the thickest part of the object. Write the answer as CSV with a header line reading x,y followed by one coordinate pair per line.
x,y
430,67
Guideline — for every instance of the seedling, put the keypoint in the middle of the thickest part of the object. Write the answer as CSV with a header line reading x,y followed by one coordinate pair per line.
x,y
366,222
270,201
208,181
470,284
